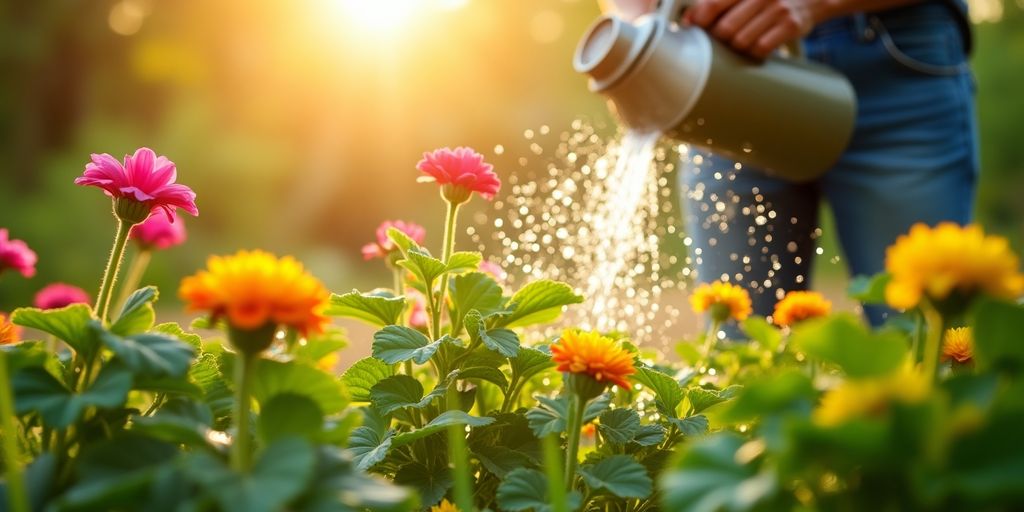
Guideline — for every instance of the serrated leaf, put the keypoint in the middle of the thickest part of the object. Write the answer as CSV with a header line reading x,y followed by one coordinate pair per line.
x,y
619,426
69,324
289,415
175,331
153,355
548,417
446,419
529,362
137,314
402,240
272,378
401,391
475,290
845,341
692,425
500,460
463,262
527,489
649,435
363,375
667,391
595,406
397,344
619,475
378,309
432,483
368,446
485,373
36,390
425,267
502,341
538,302
179,422
702,398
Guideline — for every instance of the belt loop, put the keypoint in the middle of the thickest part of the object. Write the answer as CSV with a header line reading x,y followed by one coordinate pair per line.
x,y
865,33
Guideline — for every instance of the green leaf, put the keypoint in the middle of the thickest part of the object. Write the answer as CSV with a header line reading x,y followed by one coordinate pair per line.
x,y
175,331
527,489
619,426
319,346
997,329
363,375
667,391
401,391
36,390
432,483
206,373
27,354
692,425
178,421
709,477
500,460
272,378
446,419
702,398
377,308
619,475
548,417
869,289
368,446
153,355
137,314
397,344
289,415
529,362
649,435
69,324
340,487
280,475
485,373
425,267
463,262
595,406
784,391
845,341
759,330
502,341
475,290
116,473
538,302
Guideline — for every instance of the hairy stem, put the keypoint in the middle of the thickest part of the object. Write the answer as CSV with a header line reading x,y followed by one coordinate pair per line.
x,y
133,277
113,266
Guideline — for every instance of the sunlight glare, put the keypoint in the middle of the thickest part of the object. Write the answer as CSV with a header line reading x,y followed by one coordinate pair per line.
x,y
378,16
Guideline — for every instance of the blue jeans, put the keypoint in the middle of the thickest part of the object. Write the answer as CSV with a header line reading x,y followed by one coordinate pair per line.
x,y
912,158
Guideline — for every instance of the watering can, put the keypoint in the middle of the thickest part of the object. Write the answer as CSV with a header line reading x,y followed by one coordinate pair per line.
x,y
787,116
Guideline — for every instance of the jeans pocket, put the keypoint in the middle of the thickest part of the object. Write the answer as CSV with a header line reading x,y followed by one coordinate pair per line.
x,y
928,48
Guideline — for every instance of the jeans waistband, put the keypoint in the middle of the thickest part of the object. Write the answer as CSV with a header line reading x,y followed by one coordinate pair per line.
x,y
857,24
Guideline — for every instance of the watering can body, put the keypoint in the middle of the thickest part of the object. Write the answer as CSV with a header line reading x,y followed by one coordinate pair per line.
x,y
786,116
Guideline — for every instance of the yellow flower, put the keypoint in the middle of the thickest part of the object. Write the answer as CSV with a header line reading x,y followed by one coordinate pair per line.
x,y
591,354
724,300
872,397
799,306
9,333
934,262
958,345
328,363
254,289
444,506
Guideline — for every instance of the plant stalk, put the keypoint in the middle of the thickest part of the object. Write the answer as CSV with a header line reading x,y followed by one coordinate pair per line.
x,y
110,273
241,455
451,215
133,277
17,497
572,448
459,457
553,471
933,342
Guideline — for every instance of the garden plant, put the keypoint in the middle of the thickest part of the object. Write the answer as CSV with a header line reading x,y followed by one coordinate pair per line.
x,y
463,406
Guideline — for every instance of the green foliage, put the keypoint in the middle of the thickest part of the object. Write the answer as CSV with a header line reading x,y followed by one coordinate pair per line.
x,y
844,341
137,315
362,376
378,308
667,391
619,426
709,477
36,390
619,475
527,489
537,302
401,391
397,344
274,378
154,355
997,331
69,324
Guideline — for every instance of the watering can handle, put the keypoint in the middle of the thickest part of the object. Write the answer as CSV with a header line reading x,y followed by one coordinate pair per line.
x,y
672,10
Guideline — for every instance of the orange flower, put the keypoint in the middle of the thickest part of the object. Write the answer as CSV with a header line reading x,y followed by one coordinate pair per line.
x,y
591,354
799,306
724,300
589,430
444,506
934,262
9,333
958,345
254,289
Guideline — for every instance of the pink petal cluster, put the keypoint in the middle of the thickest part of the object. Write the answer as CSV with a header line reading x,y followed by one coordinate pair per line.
x,y
493,269
159,232
144,177
59,295
15,255
418,315
383,246
461,168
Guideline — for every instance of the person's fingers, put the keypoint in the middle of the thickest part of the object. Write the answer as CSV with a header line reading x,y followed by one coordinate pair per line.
x,y
736,18
784,30
751,32
705,12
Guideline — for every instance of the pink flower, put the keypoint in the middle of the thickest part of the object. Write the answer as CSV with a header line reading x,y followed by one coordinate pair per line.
x,y
418,315
58,295
157,232
15,255
145,178
492,269
384,246
460,171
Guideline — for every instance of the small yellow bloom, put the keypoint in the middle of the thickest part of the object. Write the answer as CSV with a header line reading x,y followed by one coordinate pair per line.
x,y
591,354
934,262
254,288
799,306
444,506
329,363
9,333
588,430
871,397
958,345
724,300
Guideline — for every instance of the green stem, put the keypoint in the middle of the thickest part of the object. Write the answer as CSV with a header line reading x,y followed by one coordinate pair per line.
x,y
451,215
136,270
572,448
933,341
458,455
17,498
553,471
113,266
710,339
240,450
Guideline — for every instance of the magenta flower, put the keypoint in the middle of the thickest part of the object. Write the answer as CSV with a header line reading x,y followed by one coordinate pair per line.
x,y
418,315
15,255
492,269
460,172
384,246
157,232
145,178
58,295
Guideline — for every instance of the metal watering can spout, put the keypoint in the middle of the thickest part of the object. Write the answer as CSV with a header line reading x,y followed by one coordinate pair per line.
x,y
785,115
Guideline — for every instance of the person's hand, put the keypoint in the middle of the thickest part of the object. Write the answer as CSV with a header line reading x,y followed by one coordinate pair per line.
x,y
628,9
755,27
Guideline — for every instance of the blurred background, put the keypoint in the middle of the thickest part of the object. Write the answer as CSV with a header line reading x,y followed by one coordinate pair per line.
x,y
298,123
